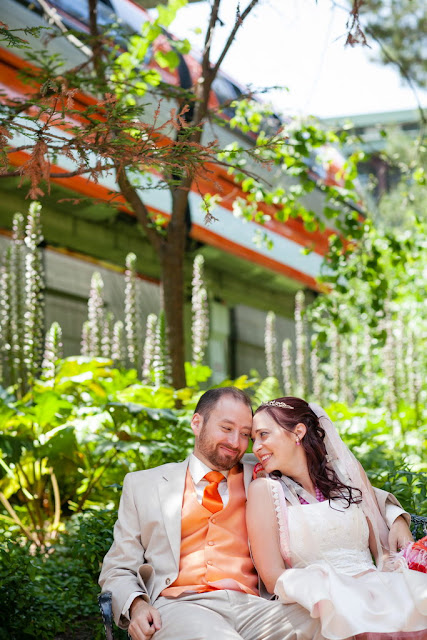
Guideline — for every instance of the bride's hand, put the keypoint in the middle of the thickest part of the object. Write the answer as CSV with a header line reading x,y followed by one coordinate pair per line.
x,y
399,534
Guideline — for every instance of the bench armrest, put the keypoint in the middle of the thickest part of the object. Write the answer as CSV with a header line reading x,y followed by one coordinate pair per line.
x,y
106,606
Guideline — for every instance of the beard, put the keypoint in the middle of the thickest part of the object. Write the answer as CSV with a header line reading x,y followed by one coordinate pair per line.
x,y
213,453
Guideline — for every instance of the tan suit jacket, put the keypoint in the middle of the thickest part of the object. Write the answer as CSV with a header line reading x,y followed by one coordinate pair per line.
x,y
147,535
144,556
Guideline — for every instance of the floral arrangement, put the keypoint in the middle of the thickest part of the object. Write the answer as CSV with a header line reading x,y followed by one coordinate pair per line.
x,y
415,555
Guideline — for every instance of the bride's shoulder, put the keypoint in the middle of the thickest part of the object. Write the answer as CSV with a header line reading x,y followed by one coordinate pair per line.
x,y
259,488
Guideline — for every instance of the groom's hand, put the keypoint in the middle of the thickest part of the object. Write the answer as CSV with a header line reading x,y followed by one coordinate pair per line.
x,y
399,534
144,620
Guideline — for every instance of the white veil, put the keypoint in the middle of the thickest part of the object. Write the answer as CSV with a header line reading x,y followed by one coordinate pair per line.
x,y
351,472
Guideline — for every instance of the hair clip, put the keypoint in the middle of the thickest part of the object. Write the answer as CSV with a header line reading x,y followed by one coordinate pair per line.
x,y
277,403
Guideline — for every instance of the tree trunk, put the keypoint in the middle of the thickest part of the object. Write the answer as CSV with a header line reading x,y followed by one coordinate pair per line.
x,y
172,268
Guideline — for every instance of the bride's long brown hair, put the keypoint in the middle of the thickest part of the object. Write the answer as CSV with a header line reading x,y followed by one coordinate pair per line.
x,y
321,474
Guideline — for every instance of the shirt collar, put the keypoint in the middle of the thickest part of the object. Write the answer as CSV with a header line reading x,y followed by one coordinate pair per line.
x,y
199,469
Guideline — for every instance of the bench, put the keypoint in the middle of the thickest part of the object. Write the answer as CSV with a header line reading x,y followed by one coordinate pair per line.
x,y
418,528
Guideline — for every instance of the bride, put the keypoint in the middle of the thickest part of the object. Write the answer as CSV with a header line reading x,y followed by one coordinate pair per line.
x,y
314,528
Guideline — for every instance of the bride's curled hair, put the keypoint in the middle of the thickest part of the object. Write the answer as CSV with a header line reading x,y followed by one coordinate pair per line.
x,y
322,475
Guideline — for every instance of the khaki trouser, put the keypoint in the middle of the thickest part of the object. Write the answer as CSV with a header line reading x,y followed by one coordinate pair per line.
x,y
232,615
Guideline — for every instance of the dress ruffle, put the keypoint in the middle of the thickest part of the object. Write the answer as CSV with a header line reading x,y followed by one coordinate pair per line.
x,y
374,602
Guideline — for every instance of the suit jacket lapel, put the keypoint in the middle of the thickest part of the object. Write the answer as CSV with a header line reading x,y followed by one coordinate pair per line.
x,y
171,491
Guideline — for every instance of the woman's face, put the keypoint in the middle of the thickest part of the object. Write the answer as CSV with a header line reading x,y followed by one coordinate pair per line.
x,y
274,447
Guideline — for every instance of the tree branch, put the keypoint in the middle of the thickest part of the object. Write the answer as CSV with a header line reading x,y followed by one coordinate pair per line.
x,y
209,73
96,40
71,174
204,83
54,18
139,208
209,34
240,18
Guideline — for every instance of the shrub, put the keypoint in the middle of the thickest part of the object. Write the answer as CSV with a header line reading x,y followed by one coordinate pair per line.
x,y
52,594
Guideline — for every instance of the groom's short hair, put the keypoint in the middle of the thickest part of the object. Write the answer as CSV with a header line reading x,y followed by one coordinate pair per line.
x,y
210,398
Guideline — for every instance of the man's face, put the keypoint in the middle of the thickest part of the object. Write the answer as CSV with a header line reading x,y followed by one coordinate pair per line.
x,y
222,440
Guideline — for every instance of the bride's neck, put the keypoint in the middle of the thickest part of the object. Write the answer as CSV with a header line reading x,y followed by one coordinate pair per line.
x,y
305,481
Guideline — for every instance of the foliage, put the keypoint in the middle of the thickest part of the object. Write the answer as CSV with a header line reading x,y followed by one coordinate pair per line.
x,y
376,305
267,389
399,25
405,202
162,357
118,348
92,340
149,348
132,312
394,462
53,593
22,317
68,444
200,312
10,39
89,425
365,347
22,305
366,334
90,121
52,353
287,367
295,154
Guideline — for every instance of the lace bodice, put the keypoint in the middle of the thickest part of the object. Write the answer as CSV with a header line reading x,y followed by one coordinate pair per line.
x,y
338,536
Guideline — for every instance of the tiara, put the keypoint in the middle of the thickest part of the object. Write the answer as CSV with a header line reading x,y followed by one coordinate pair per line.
x,y
276,403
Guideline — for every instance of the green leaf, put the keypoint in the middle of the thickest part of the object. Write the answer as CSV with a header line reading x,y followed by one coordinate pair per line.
x,y
151,31
161,397
86,428
47,406
248,184
196,374
419,176
152,77
140,410
60,441
182,46
13,447
138,48
167,59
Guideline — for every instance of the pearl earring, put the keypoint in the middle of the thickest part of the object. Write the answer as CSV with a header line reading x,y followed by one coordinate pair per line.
x,y
297,441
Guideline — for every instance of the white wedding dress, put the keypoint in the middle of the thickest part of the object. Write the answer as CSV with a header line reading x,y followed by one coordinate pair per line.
x,y
329,550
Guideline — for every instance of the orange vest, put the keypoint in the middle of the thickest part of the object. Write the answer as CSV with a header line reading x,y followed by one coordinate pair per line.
x,y
214,546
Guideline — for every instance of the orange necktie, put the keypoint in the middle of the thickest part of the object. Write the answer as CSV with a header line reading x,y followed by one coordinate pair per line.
x,y
211,498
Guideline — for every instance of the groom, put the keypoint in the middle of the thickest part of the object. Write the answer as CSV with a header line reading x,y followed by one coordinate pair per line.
x,y
180,566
